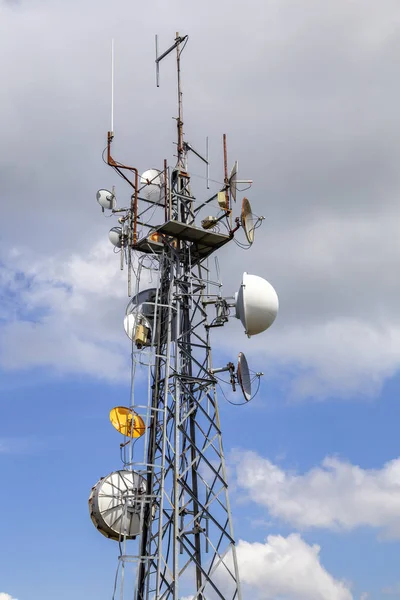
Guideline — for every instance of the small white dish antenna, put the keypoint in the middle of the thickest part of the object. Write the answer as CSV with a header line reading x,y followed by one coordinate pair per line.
x,y
115,236
243,376
248,222
256,303
151,183
106,199
233,180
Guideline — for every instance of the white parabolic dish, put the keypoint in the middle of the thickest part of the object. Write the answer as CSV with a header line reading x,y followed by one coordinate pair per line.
x,y
115,504
106,199
151,183
115,235
257,304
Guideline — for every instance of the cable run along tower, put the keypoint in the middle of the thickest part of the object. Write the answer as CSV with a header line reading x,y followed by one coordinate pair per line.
x,y
167,506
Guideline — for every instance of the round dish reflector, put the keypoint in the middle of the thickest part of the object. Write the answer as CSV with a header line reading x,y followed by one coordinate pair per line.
x,y
115,236
243,376
106,199
248,220
144,301
116,504
127,422
233,179
140,311
256,304
151,183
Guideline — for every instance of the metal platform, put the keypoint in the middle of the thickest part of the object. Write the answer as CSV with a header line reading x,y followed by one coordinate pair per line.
x,y
149,246
204,242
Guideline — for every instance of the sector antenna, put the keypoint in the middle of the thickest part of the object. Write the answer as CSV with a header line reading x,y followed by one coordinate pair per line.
x,y
166,502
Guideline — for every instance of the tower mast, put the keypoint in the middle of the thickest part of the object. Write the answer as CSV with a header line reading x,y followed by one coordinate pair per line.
x,y
170,511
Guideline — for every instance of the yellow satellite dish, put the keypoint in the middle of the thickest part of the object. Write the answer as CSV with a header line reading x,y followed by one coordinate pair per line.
x,y
127,422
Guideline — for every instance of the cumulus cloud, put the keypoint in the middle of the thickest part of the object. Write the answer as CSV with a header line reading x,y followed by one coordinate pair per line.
x,y
288,568
336,495
4,596
281,567
57,314
341,357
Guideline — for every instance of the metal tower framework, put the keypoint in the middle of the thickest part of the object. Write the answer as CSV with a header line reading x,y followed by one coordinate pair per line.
x,y
186,543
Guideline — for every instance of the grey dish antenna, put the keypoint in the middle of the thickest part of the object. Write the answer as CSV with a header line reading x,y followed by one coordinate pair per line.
x,y
115,236
233,180
106,199
243,376
248,221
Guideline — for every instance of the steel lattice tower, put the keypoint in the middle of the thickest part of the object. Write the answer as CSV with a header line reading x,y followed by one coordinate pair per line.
x,y
184,525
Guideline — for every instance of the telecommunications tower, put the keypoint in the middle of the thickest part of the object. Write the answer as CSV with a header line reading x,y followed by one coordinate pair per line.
x,y
167,506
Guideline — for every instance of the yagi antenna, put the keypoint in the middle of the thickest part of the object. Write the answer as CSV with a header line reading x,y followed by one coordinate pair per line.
x,y
205,160
178,40
189,147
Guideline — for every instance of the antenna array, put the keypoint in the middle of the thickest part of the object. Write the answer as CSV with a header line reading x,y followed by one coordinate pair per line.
x,y
168,506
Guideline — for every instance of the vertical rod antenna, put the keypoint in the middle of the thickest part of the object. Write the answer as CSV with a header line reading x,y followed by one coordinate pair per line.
x,y
180,109
226,180
207,165
112,87
157,64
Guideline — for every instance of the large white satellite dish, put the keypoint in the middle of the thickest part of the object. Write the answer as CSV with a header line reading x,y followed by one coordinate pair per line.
x,y
115,236
257,304
106,199
151,183
243,376
116,504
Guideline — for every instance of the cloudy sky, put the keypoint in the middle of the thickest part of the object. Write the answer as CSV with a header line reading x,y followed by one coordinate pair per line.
x,y
308,93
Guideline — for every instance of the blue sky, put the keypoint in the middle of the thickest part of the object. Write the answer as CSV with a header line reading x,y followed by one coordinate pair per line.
x,y
308,95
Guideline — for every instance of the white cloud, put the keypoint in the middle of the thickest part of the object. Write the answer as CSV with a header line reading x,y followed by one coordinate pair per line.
x,y
65,314
340,357
392,590
286,568
281,567
337,495
4,596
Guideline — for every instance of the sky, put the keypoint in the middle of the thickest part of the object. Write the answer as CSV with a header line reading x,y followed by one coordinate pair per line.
x,y
308,94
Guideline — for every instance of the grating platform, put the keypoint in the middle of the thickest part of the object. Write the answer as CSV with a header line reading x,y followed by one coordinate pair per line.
x,y
204,242
149,246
